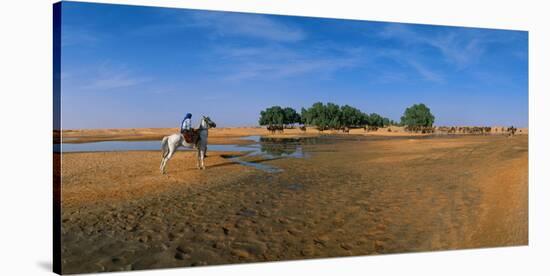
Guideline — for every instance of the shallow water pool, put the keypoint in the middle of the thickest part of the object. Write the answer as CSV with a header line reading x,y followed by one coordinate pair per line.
x,y
265,148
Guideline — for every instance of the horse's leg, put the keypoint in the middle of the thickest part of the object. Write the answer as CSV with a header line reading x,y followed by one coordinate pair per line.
x,y
163,150
199,157
162,165
165,162
202,153
171,151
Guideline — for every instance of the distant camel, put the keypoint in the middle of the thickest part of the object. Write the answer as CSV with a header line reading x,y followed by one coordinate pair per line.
x,y
511,131
370,128
272,129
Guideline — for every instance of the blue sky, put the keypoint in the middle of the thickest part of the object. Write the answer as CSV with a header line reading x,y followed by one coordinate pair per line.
x,y
129,66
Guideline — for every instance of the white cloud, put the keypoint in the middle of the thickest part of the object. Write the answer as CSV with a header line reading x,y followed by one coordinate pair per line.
x,y
114,81
459,48
71,36
459,51
289,69
278,62
110,76
410,60
426,73
105,76
247,25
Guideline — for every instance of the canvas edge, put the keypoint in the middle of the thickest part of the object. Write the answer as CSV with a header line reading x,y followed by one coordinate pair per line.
x,y
56,40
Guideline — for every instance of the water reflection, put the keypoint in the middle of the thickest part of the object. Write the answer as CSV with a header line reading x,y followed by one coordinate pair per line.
x,y
280,148
274,147
262,149
267,148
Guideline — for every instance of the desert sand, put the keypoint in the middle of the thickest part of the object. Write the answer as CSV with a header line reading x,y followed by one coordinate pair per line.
x,y
352,195
224,135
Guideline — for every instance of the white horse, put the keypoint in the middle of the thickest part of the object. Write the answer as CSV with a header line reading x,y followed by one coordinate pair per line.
x,y
170,144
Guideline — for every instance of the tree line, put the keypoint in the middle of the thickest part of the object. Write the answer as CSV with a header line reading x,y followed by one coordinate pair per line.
x,y
332,116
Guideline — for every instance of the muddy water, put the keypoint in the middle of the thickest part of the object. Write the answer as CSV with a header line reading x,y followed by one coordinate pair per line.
x,y
347,197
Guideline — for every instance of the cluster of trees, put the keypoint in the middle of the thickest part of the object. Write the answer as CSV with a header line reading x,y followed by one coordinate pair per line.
x,y
278,116
333,116
418,115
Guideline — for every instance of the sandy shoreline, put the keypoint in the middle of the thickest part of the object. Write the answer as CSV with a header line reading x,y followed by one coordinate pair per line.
x,y
349,197
225,135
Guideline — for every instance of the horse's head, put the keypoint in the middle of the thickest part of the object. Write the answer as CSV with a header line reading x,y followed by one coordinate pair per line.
x,y
208,122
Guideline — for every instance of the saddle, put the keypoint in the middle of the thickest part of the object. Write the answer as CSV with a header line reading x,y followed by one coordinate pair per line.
x,y
191,136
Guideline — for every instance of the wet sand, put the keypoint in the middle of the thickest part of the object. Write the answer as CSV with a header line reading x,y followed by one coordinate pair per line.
x,y
348,197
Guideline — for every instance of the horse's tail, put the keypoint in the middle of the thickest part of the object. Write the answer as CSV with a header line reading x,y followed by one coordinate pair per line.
x,y
164,146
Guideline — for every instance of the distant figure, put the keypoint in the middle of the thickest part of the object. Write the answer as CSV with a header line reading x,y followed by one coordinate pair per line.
x,y
186,129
